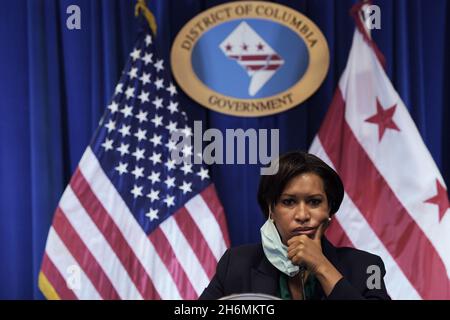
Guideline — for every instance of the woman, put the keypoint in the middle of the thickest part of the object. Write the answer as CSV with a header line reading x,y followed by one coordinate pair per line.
x,y
295,260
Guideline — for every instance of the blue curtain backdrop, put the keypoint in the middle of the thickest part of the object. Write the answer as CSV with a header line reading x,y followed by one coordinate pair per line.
x,y
55,84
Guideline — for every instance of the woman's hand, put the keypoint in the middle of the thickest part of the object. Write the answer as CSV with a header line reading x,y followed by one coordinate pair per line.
x,y
304,250
307,251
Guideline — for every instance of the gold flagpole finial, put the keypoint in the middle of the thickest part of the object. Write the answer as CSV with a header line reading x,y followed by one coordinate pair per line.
x,y
141,7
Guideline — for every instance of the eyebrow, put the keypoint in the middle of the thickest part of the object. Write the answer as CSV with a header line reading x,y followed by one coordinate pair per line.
x,y
310,196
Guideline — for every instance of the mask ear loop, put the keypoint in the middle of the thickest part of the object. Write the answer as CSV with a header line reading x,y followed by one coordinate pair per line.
x,y
270,213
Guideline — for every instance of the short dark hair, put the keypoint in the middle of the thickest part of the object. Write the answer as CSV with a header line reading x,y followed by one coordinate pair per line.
x,y
292,164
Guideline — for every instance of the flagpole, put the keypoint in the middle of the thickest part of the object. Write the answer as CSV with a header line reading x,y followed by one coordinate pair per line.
x,y
141,7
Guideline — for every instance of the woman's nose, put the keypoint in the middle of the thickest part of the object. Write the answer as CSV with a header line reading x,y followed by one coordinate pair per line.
x,y
302,213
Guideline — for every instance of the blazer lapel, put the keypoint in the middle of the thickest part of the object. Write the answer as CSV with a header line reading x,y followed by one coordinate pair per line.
x,y
265,278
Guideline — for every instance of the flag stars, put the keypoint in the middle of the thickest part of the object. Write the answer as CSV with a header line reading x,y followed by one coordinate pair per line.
x,y
172,126
158,102
440,199
125,130
148,40
142,116
155,158
187,131
156,140
187,151
113,107
111,125
260,46
157,121
171,145
169,201
138,172
136,54
159,83
108,144
172,89
186,168
170,164
122,168
244,46
119,88
148,58
228,47
137,191
186,187
152,214
159,65
145,78
127,111
141,134
153,195
173,107
170,182
129,92
154,177
144,97
138,154
384,119
133,73
203,174
123,149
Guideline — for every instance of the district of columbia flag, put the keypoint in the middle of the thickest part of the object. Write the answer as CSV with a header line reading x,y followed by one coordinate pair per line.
x,y
396,202
133,223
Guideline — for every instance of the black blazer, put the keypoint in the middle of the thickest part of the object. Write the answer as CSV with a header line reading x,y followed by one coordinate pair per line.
x,y
245,269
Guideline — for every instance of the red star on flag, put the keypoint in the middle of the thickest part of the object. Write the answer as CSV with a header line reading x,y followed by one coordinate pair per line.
x,y
383,118
440,199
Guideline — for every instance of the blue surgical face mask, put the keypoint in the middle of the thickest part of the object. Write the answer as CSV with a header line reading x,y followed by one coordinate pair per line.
x,y
275,250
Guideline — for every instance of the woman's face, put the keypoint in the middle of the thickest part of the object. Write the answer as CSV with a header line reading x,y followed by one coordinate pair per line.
x,y
302,207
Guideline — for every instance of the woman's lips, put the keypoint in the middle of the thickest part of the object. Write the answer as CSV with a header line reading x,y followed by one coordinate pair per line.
x,y
305,231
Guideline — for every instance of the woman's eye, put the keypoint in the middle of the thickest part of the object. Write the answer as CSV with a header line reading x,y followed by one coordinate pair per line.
x,y
315,202
288,202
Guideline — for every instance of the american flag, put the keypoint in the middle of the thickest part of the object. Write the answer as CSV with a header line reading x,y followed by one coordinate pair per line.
x,y
133,223
396,203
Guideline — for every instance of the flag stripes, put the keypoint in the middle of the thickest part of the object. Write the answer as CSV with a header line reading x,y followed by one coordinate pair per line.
x,y
108,246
